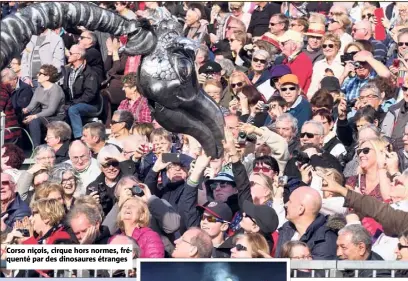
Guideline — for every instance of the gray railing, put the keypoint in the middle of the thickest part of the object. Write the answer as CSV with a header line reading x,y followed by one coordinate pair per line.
x,y
334,268
2,127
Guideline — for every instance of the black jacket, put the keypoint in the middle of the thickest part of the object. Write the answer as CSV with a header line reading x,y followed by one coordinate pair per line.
x,y
94,59
61,155
21,97
85,88
259,23
320,238
365,273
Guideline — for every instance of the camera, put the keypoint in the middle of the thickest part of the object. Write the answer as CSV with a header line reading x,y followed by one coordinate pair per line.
x,y
347,57
137,191
301,157
242,136
351,104
282,180
93,189
265,107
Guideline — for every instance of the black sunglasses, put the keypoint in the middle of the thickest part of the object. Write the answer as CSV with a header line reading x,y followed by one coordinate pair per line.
x,y
249,217
259,60
400,247
404,88
113,122
364,150
368,16
288,89
331,46
240,248
239,84
400,44
273,24
112,163
308,135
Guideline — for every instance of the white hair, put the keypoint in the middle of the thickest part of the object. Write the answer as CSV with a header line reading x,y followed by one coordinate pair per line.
x,y
108,151
317,124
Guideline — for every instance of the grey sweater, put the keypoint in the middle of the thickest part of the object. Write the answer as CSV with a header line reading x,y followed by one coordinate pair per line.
x,y
51,101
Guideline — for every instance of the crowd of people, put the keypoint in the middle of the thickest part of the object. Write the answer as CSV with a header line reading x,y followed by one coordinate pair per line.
x,y
315,166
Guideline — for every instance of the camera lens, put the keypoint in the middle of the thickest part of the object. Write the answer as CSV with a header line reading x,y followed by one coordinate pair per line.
x,y
242,135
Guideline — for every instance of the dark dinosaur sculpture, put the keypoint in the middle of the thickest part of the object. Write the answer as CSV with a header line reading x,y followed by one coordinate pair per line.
x,y
166,74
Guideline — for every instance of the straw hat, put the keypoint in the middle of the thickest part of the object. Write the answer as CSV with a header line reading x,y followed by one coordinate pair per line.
x,y
316,29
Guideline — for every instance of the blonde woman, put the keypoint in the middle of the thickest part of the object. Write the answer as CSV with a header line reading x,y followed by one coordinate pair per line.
x,y
372,178
339,25
236,9
331,46
133,220
248,246
214,89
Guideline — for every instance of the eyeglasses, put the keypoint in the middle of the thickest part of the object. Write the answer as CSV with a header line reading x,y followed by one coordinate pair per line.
x,y
49,137
274,23
239,84
240,248
84,37
77,158
400,246
211,219
221,184
113,122
232,27
71,179
368,97
41,73
232,40
308,135
364,150
128,152
355,29
5,183
368,16
46,158
404,89
108,164
257,169
315,37
331,46
259,60
288,89
71,53
400,44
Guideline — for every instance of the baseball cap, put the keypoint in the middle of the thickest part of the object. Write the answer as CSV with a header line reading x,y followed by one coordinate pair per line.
x,y
289,79
223,176
280,70
291,35
218,209
210,67
264,216
330,83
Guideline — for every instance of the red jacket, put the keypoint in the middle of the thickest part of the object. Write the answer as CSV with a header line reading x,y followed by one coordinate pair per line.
x,y
150,243
6,106
302,67
59,234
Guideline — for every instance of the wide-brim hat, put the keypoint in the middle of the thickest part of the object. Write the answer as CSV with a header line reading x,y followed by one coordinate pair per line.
x,y
316,29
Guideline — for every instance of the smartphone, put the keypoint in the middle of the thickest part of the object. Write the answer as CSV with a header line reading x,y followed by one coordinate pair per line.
x,y
282,180
24,232
379,31
171,157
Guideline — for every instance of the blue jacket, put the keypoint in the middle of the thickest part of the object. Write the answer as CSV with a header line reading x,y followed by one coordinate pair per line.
x,y
302,111
17,210
320,239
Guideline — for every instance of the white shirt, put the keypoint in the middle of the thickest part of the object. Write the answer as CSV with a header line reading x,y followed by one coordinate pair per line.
x,y
87,176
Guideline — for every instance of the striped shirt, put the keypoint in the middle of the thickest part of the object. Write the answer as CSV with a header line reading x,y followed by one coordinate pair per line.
x,y
379,49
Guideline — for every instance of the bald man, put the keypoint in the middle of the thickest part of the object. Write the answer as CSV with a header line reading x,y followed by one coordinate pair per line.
x,y
306,224
362,30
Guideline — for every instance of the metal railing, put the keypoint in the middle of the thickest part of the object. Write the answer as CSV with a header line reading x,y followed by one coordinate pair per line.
x,y
2,127
334,268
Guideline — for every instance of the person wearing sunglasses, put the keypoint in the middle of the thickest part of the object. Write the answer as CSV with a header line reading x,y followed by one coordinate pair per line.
x,y
122,122
300,64
259,67
298,105
222,186
46,105
110,161
238,79
194,244
331,46
215,221
339,24
88,40
248,246
313,48
362,30
236,9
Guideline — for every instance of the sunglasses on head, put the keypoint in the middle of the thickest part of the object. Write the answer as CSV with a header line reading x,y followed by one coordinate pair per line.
x,y
400,246
263,169
240,247
259,60
239,84
331,46
288,89
368,16
308,135
211,219
113,163
400,44
364,150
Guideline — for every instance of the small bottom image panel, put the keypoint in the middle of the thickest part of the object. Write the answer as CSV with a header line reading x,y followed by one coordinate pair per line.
x,y
213,270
